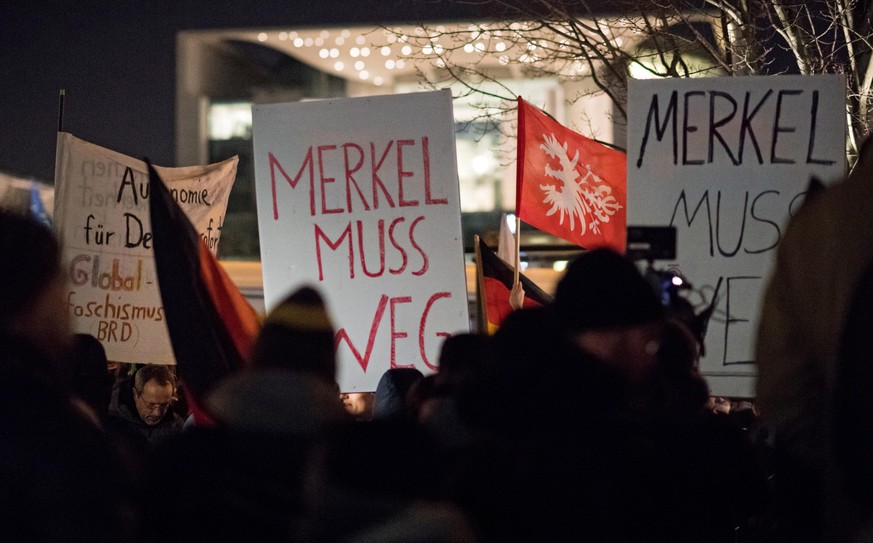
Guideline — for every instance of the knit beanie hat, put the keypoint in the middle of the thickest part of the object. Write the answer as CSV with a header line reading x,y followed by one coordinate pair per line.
x,y
298,335
275,401
603,289
391,392
31,260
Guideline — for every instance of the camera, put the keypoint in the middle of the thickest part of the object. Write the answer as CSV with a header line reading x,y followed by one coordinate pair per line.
x,y
651,243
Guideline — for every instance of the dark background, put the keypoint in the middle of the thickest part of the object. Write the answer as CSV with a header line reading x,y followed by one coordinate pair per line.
x,y
116,63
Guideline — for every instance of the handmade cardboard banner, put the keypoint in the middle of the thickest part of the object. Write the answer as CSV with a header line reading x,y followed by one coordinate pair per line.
x,y
101,217
359,198
727,161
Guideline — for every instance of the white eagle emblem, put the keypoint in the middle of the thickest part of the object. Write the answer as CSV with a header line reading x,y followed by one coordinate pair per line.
x,y
584,197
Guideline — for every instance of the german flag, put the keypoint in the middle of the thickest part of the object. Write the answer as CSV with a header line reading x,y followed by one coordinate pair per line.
x,y
212,326
494,284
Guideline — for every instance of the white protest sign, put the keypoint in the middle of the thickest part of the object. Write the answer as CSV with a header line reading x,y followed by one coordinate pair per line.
x,y
727,161
359,198
101,217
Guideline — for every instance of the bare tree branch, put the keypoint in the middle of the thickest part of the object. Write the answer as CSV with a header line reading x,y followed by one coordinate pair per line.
x,y
570,41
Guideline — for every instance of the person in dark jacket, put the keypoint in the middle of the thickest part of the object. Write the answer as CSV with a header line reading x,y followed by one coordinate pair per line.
x,y
90,380
144,404
58,476
677,453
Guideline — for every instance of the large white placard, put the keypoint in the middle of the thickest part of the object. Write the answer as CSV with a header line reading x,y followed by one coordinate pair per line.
x,y
727,161
101,217
359,198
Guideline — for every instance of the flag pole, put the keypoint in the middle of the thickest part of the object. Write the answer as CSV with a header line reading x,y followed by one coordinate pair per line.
x,y
61,111
481,317
58,151
517,249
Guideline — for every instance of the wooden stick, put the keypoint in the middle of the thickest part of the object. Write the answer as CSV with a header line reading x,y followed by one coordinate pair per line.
x,y
61,111
481,306
517,249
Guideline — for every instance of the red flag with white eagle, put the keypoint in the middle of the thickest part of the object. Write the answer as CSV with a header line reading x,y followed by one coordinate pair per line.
x,y
568,185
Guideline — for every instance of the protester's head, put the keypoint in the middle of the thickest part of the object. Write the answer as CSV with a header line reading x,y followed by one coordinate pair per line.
x,y
684,389
358,404
298,335
610,311
154,388
423,396
33,302
274,402
720,405
680,309
462,360
745,415
679,351
89,373
390,402
538,377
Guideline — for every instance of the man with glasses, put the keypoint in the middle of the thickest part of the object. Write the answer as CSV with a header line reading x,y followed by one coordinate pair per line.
x,y
148,407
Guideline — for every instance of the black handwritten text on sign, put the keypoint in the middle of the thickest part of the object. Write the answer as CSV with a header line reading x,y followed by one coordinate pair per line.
x,y
723,121
727,162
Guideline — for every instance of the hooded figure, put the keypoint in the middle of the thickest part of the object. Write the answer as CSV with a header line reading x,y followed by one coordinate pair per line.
x,y
390,401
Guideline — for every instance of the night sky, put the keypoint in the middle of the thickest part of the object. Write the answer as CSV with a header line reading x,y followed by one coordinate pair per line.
x,y
116,63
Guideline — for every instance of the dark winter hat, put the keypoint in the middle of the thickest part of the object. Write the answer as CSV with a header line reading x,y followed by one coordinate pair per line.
x,y
31,260
391,392
298,335
275,401
603,289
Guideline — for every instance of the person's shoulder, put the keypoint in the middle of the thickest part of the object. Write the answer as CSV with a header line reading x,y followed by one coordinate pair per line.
x,y
175,420
120,423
